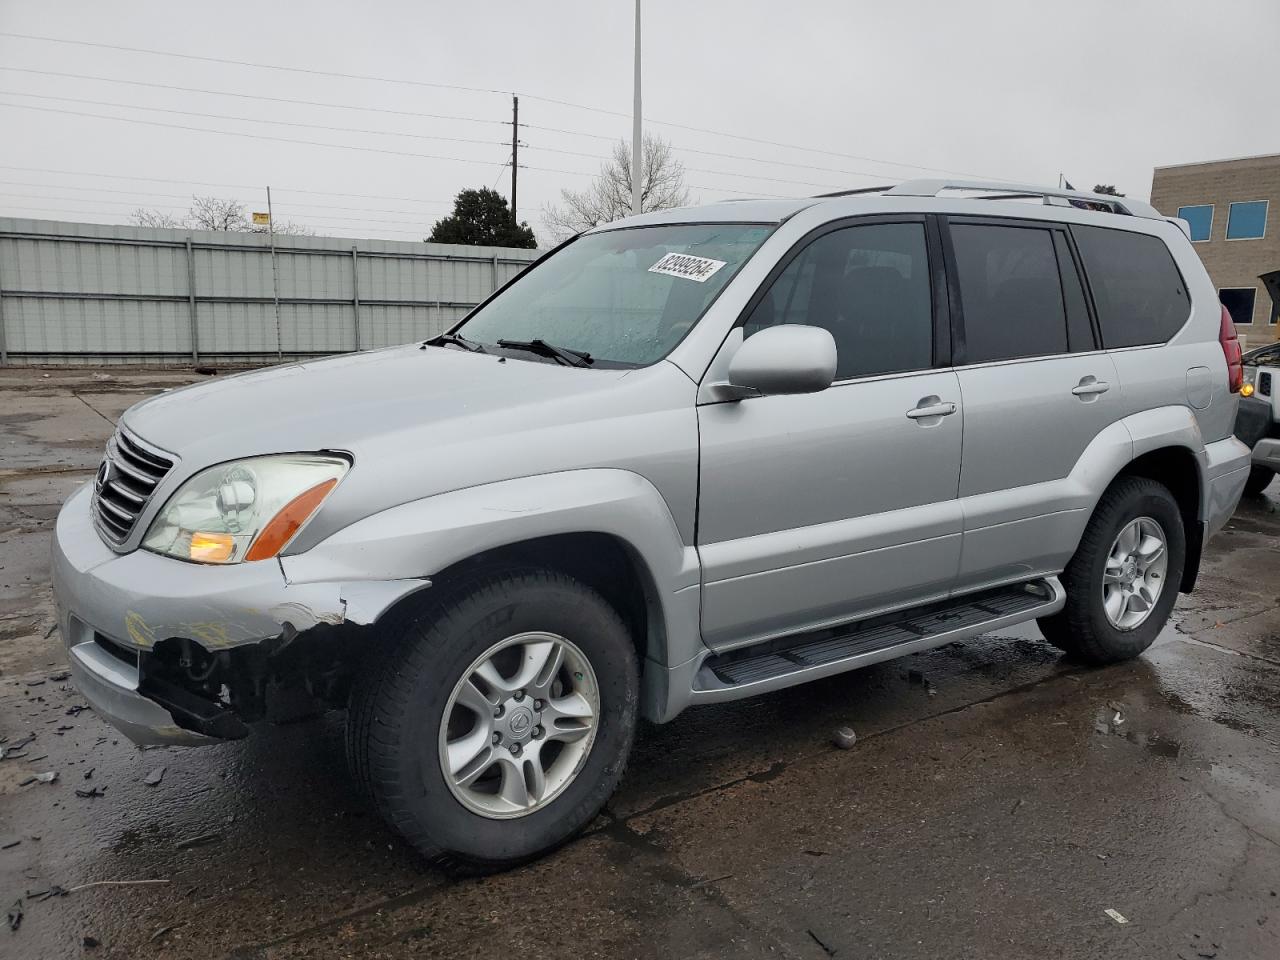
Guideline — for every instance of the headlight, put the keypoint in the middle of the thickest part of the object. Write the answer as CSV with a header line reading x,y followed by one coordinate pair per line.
x,y
244,510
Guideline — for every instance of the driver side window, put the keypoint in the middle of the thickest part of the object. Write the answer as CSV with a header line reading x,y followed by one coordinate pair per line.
x,y
869,287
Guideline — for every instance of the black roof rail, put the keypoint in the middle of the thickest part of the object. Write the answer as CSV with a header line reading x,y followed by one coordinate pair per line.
x,y
850,193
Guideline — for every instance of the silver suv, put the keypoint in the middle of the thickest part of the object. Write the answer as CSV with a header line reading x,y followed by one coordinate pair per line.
x,y
688,457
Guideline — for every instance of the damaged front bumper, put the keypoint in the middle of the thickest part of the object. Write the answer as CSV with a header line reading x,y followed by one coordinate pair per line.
x,y
113,609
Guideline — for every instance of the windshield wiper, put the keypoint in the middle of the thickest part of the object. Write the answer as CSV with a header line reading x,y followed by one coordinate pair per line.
x,y
573,358
453,340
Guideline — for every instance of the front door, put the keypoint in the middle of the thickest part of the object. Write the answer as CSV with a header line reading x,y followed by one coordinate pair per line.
x,y
825,507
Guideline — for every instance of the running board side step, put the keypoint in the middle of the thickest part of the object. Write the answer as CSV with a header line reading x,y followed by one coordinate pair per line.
x,y
799,658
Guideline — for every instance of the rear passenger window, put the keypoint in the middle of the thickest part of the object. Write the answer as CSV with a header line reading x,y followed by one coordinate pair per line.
x,y
1010,292
868,286
1137,290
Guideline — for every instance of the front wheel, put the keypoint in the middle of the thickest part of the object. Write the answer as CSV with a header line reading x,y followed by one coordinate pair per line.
x,y
500,718
1123,580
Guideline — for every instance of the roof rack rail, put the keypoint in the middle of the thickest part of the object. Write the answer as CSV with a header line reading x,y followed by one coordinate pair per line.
x,y
931,188
850,193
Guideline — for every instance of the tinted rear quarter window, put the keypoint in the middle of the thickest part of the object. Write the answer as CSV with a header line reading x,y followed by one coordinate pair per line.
x,y
1010,292
1138,292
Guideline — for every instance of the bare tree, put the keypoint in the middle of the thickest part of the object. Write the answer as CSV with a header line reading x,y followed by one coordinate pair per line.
x,y
143,217
609,196
214,213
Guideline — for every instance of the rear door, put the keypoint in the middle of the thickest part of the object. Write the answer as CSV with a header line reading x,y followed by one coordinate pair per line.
x,y
1036,388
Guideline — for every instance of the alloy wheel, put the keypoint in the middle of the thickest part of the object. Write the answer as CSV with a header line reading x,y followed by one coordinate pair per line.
x,y
519,725
1134,574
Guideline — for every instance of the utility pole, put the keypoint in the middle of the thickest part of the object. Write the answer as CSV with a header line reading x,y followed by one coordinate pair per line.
x,y
636,141
515,158
275,272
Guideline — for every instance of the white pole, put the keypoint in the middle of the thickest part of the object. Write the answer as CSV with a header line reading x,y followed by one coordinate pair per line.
x,y
636,136
275,273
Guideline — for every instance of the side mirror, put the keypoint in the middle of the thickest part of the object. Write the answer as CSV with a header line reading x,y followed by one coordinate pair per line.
x,y
789,358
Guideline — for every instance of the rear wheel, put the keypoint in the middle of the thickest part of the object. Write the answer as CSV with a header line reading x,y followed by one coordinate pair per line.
x,y
1259,479
500,718
1123,580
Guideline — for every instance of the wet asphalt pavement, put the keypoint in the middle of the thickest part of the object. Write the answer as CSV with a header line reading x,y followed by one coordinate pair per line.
x,y
998,799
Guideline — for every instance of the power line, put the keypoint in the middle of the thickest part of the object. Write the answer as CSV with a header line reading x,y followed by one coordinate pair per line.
x,y
263,97
446,86
346,146
680,148
255,136
171,208
742,193
223,116
418,136
534,126
717,173
104,213
408,113
829,153
119,203
191,196
207,183
499,176
176,196
250,63
318,193
723,173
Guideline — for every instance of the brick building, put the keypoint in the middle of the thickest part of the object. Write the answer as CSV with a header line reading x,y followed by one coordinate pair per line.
x,y
1232,207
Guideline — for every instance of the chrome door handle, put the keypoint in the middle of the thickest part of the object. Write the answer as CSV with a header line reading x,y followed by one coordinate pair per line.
x,y
932,410
1090,386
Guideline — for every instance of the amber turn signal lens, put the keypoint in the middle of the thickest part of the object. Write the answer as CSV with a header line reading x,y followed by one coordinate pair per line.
x,y
288,521
211,547
1246,390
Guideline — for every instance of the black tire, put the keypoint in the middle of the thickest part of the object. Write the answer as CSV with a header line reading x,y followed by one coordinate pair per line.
x,y
397,706
1259,479
1082,629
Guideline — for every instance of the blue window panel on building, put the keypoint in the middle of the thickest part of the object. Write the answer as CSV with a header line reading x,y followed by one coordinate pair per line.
x,y
1247,221
1201,219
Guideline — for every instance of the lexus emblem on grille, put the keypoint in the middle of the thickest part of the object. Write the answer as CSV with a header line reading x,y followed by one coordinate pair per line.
x,y
104,474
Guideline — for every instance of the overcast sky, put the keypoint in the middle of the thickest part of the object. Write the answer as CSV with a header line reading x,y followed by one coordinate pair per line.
x,y
860,93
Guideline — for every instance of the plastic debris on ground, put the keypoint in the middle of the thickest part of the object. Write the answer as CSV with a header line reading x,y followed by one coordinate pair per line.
x,y
197,841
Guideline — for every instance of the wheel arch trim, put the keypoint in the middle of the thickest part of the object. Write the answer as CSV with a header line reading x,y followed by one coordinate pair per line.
x,y
419,539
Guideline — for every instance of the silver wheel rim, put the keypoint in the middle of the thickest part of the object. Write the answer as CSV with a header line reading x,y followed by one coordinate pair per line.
x,y
1134,573
519,725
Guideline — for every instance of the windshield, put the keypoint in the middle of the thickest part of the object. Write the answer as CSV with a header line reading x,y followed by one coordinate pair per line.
x,y
1264,354
623,296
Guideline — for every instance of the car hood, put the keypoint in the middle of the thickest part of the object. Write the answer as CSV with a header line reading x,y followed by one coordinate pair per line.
x,y
347,402
420,422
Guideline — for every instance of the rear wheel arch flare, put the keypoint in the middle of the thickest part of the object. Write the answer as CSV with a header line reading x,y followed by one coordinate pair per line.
x,y
1176,468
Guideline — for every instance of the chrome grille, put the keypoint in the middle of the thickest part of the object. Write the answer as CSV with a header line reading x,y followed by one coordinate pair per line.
x,y
127,477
